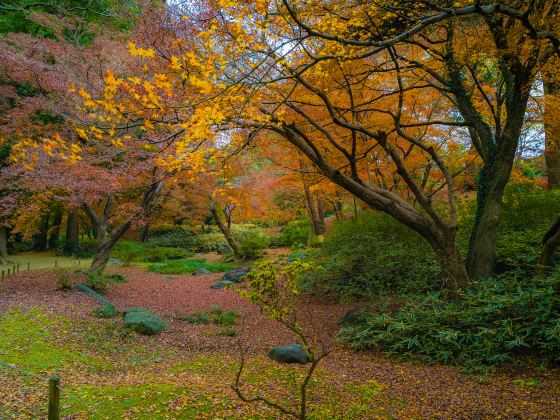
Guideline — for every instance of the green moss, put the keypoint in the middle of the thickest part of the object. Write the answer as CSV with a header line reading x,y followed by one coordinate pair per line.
x,y
185,266
143,401
26,340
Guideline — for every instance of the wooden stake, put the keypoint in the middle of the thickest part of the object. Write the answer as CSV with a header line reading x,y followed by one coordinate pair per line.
x,y
54,398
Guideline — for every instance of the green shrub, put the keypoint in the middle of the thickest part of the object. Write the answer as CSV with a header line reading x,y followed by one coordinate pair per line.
x,y
106,311
295,234
186,266
129,251
372,255
178,237
228,331
491,323
86,248
208,242
100,282
200,317
252,243
224,318
65,280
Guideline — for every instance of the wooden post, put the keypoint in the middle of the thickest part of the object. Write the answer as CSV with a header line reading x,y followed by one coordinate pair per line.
x,y
18,268
55,263
2,274
54,398
28,264
8,272
14,269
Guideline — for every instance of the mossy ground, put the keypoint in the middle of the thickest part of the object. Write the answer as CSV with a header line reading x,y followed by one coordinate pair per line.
x,y
109,372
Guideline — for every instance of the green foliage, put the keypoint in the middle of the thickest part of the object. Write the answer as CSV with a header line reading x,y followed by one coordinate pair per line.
x,y
208,242
130,251
224,318
199,317
65,281
295,234
186,266
166,235
251,243
491,323
105,311
373,255
228,331
100,282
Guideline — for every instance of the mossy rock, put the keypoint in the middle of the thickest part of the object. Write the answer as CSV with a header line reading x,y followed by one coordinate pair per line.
x,y
294,353
354,316
144,321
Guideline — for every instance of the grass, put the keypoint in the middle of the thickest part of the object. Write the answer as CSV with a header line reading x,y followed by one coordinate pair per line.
x,y
43,260
187,266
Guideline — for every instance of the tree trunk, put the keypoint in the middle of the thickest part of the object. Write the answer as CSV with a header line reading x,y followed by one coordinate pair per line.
x,y
42,238
450,260
71,245
321,213
550,243
106,245
482,246
552,132
145,233
227,233
3,244
55,230
312,210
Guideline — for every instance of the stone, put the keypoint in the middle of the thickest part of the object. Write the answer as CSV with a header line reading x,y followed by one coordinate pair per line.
x,y
114,261
236,275
199,255
294,353
353,316
106,311
89,291
144,321
168,278
201,272
223,250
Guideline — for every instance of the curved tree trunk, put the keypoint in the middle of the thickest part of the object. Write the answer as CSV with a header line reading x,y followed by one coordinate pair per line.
x,y
71,245
226,231
3,244
552,132
551,242
106,245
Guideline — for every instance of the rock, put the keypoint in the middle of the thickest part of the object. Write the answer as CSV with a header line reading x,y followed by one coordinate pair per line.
x,y
114,261
294,353
353,316
223,250
89,291
106,311
168,278
144,322
199,255
236,275
201,272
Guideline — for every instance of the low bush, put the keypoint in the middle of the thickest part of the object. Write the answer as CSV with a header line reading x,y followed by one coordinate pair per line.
x,y
100,282
186,266
65,280
494,321
252,243
372,255
130,251
177,237
296,233
106,311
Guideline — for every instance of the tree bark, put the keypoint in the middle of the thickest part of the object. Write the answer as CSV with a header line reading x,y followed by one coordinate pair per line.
x,y
54,235
42,238
145,233
226,231
103,253
312,210
71,245
3,244
551,241
552,132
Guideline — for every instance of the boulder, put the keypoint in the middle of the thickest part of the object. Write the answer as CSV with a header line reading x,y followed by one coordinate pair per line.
x,y
106,311
168,278
114,261
89,291
353,316
294,353
144,322
222,284
223,250
235,275
201,272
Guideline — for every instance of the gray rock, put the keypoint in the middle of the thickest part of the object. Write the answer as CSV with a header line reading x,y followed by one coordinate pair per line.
x,y
144,322
114,261
89,291
236,275
223,250
201,272
294,353
199,255
353,316
168,278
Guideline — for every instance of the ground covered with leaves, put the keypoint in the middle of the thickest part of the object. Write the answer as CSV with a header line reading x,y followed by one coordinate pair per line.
x,y
108,371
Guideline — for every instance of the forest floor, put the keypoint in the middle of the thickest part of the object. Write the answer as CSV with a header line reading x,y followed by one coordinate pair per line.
x,y
108,372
